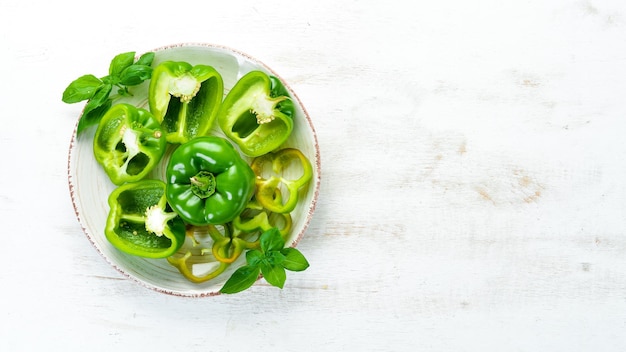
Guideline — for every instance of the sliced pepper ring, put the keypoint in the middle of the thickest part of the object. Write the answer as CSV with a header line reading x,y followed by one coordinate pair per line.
x,y
228,246
221,248
256,218
267,186
185,265
192,254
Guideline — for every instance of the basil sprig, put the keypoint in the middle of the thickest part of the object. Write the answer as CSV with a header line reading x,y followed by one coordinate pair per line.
x,y
271,260
124,72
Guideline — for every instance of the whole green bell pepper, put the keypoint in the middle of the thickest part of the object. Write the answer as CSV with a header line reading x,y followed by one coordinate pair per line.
x,y
141,223
128,143
208,182
257,114
185,98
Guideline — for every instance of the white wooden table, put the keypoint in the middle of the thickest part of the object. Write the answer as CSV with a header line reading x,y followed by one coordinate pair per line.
x,y
473,178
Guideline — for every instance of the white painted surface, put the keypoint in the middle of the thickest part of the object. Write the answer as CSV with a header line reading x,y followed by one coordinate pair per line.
x,y
472,178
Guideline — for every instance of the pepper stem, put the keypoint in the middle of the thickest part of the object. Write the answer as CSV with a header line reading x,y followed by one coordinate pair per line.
x,y
203,184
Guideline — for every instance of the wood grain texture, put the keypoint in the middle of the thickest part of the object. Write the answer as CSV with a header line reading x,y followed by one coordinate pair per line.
x,y
472,193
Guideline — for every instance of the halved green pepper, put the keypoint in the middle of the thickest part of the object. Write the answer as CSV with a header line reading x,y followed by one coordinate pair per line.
x,y
128,143
185,99
141,223
257,114
208,182
279,174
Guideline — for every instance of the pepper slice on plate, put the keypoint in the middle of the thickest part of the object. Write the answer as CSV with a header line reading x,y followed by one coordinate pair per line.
x,y
229,243
226,244
280,174
141,223
195,253
257,114
255,218
208,182
128,143
185,99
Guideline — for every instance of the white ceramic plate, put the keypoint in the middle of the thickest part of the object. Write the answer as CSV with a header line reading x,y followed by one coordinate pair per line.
x,y
90,187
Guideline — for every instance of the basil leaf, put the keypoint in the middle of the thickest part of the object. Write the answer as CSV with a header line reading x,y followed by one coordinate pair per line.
x,y
120,62
271,240
294,260
101,96
135,74
254,257
242,279
145,59
124,92
275,258
93,117
82,88
274,275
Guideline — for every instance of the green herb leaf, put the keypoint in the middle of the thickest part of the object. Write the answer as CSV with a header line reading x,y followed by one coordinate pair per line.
x,y
101,96
271,240
135,74
120,62
95,108
242,279
274,275
145,59
124,92
254,257
122,73
93,117
294,260
82,88
274,258
271,261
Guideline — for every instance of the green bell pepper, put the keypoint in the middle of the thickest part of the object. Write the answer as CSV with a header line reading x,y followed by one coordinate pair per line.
x,y
257,114
185,99
280,174
208,182
128,143
141,223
